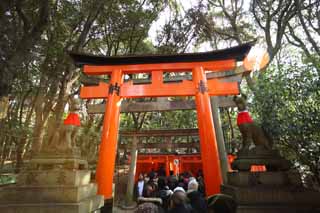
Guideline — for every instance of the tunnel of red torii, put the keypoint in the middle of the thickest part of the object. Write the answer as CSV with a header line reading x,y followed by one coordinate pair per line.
x,y
198,64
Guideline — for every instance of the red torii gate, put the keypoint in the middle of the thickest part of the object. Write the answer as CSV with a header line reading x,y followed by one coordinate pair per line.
x,y
156,65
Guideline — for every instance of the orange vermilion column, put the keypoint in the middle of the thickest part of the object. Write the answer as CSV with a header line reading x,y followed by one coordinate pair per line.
x,y
208,145
167,166
108,146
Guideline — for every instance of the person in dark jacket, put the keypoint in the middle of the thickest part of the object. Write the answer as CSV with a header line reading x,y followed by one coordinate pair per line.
x,y
164,192
196,199
222,203
172,180
179,203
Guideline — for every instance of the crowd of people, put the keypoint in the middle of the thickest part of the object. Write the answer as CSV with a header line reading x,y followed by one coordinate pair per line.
x,y
183,193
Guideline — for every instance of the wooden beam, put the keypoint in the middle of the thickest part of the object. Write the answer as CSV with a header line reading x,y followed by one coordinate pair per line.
x,y
220,65
160,133
161,145
225,76
157,88
158,105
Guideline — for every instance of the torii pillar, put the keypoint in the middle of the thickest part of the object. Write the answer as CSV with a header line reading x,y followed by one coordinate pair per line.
x,y
109,137
208,144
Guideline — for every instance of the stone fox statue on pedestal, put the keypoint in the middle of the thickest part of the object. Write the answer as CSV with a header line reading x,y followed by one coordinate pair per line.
x,y
62,138
250,131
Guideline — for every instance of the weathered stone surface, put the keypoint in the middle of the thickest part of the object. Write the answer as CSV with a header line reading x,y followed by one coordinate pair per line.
x,y
271,195
46,194
62,177
265,198
264,178
47,162
52,183
260,156
91,204
73,153
55,180
277,209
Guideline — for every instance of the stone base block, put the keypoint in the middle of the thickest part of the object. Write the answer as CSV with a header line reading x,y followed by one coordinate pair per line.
x,y
277,209
263,178
46,194
244,164
92,204
73,153
57,163
62,177
273,195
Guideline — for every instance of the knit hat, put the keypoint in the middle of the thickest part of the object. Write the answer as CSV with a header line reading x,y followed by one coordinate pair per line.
x,y
179,189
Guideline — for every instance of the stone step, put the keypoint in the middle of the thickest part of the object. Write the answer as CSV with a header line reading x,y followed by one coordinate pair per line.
x,y
276,209
91,204
264,178
63,177
46,194
265,195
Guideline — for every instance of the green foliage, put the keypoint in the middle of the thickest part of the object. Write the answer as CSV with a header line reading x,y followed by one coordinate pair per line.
x,y
162,120
7,179
287,104
123,26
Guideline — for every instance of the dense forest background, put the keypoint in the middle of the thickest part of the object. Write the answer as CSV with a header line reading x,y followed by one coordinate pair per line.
x,y
38,78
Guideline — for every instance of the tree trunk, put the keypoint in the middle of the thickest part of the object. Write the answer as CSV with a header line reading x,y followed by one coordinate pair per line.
x,y
19,154
4,153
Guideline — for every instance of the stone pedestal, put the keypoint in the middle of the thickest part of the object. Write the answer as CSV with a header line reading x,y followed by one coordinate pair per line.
x,y
278,190
260,156
52,182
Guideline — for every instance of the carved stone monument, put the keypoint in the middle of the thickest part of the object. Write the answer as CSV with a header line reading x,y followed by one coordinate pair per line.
x,y
277,190
55,180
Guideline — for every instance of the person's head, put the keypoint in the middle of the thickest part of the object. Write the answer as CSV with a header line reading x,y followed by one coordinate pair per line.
x,y
148,191
221,203
141,177
177,189
171,172
162,183
152,175
193,185
187,174
178,198
147,208
180,177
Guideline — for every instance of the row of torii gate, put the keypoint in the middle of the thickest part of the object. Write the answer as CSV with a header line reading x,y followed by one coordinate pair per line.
x,y
199,65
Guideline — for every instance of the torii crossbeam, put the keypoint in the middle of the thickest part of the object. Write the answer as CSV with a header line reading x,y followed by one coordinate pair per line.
x,y
200,87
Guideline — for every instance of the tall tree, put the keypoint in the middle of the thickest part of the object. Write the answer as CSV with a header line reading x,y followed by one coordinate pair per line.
x,y
304,30
273,18
22,24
